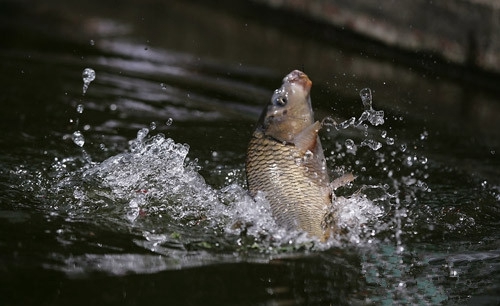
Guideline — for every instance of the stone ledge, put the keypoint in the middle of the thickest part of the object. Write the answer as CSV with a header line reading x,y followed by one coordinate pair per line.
x,y
463,32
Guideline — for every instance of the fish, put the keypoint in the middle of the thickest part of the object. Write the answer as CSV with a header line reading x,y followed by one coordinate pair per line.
x,y
286,163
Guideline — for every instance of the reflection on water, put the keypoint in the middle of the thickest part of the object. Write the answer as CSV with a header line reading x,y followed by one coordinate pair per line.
x,y
138,186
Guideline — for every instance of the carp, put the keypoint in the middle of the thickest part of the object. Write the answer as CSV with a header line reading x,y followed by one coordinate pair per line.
x,y
285,160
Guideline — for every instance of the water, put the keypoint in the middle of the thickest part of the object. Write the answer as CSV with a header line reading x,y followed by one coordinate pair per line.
x,y
135,192
88,75
78,138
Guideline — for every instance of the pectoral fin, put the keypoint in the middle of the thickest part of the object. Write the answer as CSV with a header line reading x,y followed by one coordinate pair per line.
x,y
306,140
342,181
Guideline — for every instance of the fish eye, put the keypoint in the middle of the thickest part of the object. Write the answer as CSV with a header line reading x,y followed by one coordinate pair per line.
x,y
280,101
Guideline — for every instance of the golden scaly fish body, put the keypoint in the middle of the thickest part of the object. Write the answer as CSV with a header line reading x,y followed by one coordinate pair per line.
x,y
285,159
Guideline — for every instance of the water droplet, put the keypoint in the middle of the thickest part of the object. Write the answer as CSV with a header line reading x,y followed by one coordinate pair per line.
x,y
453,273
349,143
152,126
79,108
365,126
376,118
78,138
364,116
142,133
308,155
346,124
383,134
88,76
422,185
328,121
389,141
424,135
372,144
403,147
366,98
169,121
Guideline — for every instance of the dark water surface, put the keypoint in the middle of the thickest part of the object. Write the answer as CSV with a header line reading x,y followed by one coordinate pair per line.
x,y
134,193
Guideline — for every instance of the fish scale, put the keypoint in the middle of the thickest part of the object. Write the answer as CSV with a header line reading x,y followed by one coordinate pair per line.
x,y
299,194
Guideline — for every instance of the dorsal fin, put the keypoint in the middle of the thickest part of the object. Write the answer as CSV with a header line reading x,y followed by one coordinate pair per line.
x,y
307,138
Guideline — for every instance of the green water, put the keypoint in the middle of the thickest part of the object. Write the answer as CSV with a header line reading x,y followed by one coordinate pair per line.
x,y
149,205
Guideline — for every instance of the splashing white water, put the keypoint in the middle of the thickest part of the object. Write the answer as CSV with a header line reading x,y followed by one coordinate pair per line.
x,y
374,117
156,180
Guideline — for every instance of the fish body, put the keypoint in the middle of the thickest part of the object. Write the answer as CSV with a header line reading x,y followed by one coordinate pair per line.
x,y
285,159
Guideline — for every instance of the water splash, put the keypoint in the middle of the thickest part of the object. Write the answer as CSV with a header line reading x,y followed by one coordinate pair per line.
x,y
88,75
374,117
390,178
156,180
366,98
349,144
346,124
372,144
354,216
155,183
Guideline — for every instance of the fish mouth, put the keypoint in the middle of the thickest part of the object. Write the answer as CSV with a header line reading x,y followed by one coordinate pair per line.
x,y
300,78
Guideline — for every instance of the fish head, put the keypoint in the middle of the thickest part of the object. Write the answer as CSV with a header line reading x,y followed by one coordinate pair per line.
x,y
289,111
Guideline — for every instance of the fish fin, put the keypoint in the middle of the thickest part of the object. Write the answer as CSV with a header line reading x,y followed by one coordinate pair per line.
x,y
342,181
306,140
